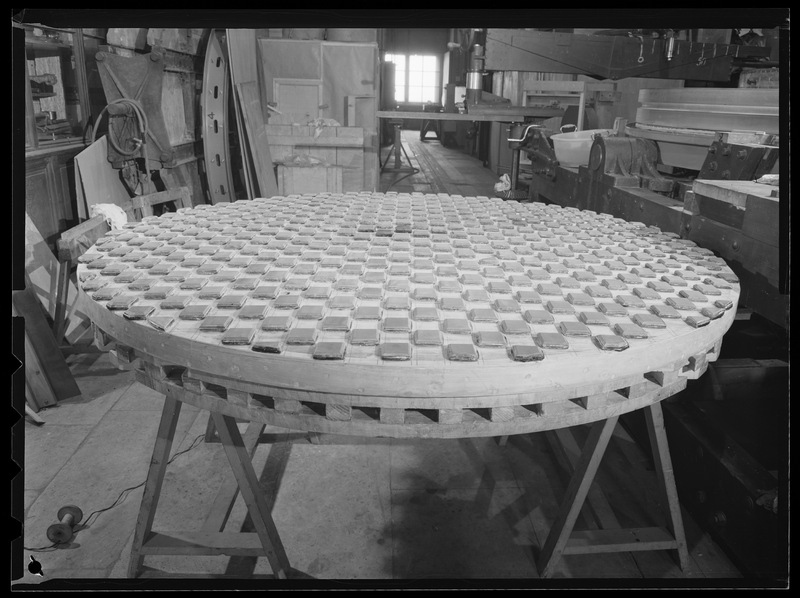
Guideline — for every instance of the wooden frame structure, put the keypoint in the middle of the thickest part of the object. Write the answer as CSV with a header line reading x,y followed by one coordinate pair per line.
x,y
564,92
562,540
427,397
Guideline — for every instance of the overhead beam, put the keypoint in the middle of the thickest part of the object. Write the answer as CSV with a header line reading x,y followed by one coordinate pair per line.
x,y
611,56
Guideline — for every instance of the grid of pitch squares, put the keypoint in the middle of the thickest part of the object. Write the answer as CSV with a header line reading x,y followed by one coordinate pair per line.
x,y
407,277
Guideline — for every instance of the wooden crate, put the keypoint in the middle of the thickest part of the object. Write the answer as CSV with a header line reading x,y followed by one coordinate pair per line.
x,y
309,179
338,146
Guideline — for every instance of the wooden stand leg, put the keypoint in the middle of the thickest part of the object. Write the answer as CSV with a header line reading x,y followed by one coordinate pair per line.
x,y
152,486
210,430
60,300
223,503
248,486
597,511
562,540
581,481
666,479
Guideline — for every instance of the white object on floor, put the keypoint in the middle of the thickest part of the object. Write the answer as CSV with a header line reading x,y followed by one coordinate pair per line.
x,y
504,184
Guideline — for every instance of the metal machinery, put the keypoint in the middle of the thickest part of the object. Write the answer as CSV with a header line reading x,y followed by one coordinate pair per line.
x,y
692,176
137,134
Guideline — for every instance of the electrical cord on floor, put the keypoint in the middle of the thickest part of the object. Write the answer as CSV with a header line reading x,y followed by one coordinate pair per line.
x,y
415,171
119,499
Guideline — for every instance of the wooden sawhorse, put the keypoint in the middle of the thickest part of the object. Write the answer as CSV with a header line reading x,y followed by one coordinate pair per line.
x,y
265,541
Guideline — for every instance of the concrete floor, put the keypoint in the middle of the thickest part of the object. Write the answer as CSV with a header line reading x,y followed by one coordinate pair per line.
x,y
444,513
346,508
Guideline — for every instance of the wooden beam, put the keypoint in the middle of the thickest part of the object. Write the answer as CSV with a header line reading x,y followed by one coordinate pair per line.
x,y
257,136
496,115
204,543
619,540
609,57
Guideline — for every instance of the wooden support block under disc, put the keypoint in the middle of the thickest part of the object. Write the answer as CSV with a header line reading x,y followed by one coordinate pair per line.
x,y
450,416
662,378
392,416
192,384
338,412
238,397
125,354
287,405
101,339
501,414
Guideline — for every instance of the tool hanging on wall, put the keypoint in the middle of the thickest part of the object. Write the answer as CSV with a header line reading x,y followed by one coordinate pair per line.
x,y
137,135
127,139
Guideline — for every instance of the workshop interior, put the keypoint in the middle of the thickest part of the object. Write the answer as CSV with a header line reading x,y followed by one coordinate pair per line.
x,y
446,308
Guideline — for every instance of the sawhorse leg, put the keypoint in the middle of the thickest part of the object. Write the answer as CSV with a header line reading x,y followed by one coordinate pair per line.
x,y
561,540
239,458
155,477
211,431
248,487
668,492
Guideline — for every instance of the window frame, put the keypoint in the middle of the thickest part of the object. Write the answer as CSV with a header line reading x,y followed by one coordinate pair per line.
x,y
435,89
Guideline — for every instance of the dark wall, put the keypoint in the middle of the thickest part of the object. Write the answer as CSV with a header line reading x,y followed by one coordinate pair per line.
x,y
415,41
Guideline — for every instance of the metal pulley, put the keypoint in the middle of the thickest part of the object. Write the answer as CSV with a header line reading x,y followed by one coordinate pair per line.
x,y
629,157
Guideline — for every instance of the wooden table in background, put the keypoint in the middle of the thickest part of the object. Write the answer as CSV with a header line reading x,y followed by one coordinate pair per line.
x,y
406,316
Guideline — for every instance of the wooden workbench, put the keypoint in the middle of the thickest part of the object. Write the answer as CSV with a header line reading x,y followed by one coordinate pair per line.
x,y
407,315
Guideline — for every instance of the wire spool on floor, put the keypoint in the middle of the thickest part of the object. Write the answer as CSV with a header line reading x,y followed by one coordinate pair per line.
x,y
68,518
